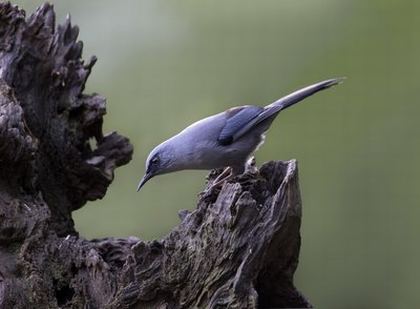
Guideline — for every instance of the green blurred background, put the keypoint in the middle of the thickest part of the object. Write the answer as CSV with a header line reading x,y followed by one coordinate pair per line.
x,y
165,64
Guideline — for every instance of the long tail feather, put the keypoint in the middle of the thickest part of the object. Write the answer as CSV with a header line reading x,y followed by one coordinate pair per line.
x,y
303,93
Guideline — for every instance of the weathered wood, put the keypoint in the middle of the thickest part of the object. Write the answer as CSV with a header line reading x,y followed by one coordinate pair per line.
x,y
239,248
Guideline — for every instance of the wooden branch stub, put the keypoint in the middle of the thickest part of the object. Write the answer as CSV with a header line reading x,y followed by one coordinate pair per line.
x,y
238,249
46,76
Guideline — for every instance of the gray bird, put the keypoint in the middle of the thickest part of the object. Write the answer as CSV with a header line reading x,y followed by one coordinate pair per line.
x,y
227,139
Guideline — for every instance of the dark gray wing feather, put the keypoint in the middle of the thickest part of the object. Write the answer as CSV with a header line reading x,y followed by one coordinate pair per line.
x,y
237,119
274,108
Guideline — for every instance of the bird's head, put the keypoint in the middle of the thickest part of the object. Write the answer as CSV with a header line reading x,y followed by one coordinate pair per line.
x,y
160,161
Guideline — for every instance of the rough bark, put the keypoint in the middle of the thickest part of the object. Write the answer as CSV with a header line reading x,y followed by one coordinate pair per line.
x,y
239,248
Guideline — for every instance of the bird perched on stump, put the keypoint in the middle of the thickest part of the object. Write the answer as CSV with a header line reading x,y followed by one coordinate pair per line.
x,y
227,139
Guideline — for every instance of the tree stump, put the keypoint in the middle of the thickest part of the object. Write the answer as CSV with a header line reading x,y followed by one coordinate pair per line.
x,y
238,249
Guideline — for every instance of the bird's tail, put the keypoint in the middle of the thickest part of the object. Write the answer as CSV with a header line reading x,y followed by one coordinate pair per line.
x,y
303,93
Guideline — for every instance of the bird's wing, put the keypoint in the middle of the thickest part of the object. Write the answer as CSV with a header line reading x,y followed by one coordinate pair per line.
x,y
274,108
237,118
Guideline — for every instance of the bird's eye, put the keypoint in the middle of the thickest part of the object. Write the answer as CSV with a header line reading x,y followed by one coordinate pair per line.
x,y
155,160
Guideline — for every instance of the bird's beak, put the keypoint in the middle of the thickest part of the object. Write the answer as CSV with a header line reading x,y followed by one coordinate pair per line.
x,y
145,178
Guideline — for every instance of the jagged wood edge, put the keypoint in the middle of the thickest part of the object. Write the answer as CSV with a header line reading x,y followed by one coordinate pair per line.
x,y
45,263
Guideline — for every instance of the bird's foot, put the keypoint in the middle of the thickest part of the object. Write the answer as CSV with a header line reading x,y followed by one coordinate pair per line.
x,y
219,184
227,173
220,180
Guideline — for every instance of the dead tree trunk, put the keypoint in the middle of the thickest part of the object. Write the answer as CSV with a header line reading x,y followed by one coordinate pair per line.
x,y
238,249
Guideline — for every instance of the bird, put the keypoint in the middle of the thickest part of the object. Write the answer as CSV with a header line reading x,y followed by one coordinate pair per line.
x,y
225,140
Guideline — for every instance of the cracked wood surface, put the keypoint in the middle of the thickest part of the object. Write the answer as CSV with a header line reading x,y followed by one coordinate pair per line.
x,y
238,249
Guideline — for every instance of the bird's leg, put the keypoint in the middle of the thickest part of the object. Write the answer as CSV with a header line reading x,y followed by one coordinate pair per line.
x,y
224,176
